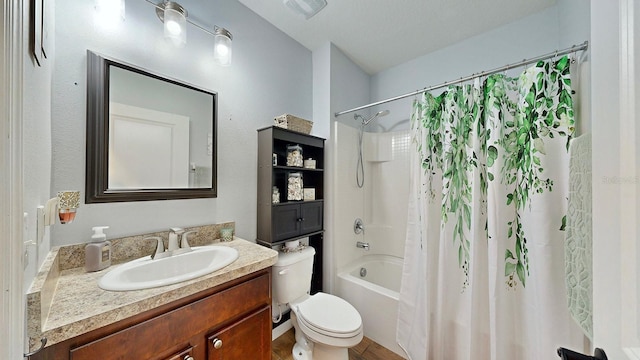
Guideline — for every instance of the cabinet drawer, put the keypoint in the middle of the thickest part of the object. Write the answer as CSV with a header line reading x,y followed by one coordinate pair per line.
x,y
175,329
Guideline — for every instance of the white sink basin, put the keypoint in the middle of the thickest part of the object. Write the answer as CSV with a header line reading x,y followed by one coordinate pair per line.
x,y
145,273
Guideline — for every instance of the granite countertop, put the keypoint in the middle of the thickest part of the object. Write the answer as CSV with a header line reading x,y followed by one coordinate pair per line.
x,y
64,303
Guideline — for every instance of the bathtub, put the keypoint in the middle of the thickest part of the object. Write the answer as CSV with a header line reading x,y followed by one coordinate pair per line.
x,y
375,295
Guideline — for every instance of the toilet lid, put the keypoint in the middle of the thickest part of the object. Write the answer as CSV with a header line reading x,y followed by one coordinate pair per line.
x,y
330,315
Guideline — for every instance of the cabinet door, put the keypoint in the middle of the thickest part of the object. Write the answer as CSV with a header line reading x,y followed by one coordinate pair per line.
x,y
249,338
312,216
286,221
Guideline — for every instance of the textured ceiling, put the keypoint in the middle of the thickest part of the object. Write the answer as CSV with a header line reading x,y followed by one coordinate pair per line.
x,y
379,34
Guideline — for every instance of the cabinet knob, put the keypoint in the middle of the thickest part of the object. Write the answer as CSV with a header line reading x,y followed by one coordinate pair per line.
x,y
217,343
300,219
188,357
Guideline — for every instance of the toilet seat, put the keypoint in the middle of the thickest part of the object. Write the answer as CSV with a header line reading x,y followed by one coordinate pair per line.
x,y
330,316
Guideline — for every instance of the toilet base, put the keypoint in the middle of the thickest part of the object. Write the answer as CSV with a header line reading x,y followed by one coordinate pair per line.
x,y
300,353
320,352
305,349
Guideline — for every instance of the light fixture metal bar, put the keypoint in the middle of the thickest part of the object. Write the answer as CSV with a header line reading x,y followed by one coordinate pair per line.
x,y
201,27
574,48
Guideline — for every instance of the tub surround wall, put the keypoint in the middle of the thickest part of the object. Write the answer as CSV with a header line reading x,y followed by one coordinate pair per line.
x,y
381,203
387,192
349,200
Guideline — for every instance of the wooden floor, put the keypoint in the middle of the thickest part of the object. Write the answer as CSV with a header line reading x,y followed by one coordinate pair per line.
x,y
366,350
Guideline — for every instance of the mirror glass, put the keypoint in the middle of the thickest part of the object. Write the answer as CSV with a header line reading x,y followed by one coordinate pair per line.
x,y
149,137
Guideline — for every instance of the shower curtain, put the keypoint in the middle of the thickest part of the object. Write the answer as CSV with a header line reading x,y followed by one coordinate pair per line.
x,y
484,273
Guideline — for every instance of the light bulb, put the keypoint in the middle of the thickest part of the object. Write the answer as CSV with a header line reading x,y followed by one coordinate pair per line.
x,y
175,26
222,50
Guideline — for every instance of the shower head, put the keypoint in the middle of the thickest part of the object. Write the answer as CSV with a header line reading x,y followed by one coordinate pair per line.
x,y
367,121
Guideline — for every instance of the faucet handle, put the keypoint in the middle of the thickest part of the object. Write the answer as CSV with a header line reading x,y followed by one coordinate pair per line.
x,y
177,230
358,226
184,242
159,247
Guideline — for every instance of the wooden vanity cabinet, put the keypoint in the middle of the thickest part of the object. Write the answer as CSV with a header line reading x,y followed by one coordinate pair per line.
x,y
231,321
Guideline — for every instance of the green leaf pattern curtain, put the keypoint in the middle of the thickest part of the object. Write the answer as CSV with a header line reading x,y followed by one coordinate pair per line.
x,y
486,219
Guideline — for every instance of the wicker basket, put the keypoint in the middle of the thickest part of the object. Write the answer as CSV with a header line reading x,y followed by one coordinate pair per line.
x,y
293,123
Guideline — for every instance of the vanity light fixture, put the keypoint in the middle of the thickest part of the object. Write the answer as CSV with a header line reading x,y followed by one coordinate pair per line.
x,y
175,19
222,46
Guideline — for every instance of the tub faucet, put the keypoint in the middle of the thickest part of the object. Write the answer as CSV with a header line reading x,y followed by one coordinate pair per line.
x,y
363,245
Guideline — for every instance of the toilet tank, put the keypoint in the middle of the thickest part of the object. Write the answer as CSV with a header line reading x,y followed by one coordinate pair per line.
x,y
292,275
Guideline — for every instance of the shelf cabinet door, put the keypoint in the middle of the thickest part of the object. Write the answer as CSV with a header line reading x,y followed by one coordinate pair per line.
x,y
286,221
250,338
311,217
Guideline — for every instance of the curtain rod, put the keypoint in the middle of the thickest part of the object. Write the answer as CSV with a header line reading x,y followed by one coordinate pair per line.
x,y
574,48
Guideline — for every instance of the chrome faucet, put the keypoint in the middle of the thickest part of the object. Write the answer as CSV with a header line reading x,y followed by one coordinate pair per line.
x,y
175,246
174,233
363,245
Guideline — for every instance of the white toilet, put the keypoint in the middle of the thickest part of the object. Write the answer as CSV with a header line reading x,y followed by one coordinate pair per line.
x,y
325,325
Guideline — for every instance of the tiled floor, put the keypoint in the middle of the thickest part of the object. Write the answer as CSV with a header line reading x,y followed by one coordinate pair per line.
x,y
366,350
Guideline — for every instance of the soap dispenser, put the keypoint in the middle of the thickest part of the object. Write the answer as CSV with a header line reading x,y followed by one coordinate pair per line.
x,y
98,252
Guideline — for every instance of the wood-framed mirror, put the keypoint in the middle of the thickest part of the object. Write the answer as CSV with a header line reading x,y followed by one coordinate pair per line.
x,y
149,137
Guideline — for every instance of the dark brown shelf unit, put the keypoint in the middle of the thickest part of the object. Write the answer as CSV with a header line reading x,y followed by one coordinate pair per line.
x,y
290,220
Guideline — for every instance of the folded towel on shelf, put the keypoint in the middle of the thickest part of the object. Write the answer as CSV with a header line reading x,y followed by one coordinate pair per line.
x,y
578,241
